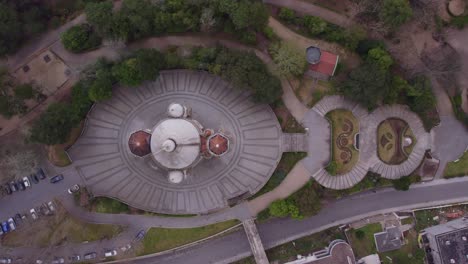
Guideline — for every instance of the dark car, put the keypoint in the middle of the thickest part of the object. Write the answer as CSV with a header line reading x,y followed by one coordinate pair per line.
x,y
21,186
56,178
18,219
140,235
5,227
34,178
91,255
40,173
13,186
7,189
74,258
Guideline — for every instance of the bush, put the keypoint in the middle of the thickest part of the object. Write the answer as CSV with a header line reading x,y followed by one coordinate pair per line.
x,y
80,38
287,15
332,168
54,125
360,234
24,91
269,33
144,65
380,57
394,13
460,21
289,60
402,184
314,25
365,45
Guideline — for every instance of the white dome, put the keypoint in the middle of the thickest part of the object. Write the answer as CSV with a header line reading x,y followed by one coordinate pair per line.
x,y
175,143
176,110
407,141
176,176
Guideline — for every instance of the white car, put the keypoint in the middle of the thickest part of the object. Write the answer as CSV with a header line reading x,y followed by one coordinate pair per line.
x,y
110,253
11,223
126,247
33,214
5,260
75,188
26,182
51,206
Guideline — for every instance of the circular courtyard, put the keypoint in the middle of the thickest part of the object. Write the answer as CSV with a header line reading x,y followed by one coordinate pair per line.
x,y
187,143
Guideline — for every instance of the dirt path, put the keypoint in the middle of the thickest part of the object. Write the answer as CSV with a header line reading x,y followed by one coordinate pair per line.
x,y
458,39
314,10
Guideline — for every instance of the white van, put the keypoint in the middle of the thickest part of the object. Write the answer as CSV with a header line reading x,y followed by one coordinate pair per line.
x,y
110,253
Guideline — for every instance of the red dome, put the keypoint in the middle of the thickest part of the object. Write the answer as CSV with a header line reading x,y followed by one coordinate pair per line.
x,y
139,143
218,144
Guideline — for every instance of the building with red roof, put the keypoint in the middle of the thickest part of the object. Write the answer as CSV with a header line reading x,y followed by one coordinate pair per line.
x,y
322,64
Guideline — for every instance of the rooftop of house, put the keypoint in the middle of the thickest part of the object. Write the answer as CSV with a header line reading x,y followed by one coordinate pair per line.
x,y
388,240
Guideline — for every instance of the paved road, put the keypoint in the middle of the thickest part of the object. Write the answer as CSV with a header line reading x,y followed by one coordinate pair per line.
x,y
235,246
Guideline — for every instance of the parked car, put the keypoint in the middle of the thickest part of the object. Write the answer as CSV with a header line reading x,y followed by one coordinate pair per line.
x,y
5,227
18,219
13,186
21,186
26,182
74,258
56,178
140,235
44,209
7,189
33,214
34,178
110,253
5,260
126,247
75,188
38,261
12,224
51,206
40,173
58,260
91,255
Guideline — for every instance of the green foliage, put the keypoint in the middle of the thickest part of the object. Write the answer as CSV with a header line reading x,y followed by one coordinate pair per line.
x,y
402,184
144,65
380,57
100,16
54,125
126,72
5,106
101,87
248,37
80,38
360,234
332,168
269,33
314,25
10,29
81,103
288,59
459,21
394,13
24,91
365,45
287,15
307,200
279,208
420,96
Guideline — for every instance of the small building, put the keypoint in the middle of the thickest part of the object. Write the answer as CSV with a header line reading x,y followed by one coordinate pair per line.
x,y
447,243
371,259
338,252
388,240
322,64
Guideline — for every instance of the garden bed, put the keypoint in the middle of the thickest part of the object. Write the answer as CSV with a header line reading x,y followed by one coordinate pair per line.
x,y
344,128
391,135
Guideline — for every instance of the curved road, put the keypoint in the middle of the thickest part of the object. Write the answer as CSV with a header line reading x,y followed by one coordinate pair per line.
x,y
235,246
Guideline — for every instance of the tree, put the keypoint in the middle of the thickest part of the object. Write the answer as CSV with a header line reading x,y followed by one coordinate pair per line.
x,y
81,102
402,184
10,29
394,13
54,125
420,95
135,18
380,57
315,25
100,15
101,88
286,14
24,91
288,59
126,72
80,38
145,65
279,208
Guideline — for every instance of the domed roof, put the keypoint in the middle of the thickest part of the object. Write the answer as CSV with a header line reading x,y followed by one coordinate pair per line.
x,y
175,143
218,144
313,55
175,110
139,143
176,176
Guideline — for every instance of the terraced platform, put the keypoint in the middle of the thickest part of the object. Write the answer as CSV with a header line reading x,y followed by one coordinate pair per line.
x,y
102,157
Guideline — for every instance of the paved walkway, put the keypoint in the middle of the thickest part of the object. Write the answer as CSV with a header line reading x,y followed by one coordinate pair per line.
x,y
313,10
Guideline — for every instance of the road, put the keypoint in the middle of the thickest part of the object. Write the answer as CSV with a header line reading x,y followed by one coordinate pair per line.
x,y
235,246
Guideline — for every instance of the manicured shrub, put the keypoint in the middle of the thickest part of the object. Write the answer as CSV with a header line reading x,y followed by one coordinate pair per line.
x,y
80,38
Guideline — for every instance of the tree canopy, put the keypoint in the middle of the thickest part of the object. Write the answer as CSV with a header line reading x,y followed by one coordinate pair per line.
x,y
288,59
394,13
54,125
80,38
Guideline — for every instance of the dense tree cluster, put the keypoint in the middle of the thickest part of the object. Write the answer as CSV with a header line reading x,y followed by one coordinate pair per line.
x,y
316,27
80,38
243,69
303,203
141,18
394,13
288,59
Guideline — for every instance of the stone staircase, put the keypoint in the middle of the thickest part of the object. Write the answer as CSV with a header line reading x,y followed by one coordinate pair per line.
x,y
294,142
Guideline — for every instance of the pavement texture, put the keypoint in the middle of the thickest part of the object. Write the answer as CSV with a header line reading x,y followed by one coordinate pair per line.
x,y
103,159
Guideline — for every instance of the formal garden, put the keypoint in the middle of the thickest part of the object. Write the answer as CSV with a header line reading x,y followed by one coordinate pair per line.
x,y
344,148
395,141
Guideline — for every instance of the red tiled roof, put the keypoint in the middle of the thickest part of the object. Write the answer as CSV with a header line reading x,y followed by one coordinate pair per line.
x,y
326,65
218,144
139,143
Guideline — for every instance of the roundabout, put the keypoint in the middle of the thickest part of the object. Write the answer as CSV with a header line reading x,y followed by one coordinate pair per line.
x,y
186,143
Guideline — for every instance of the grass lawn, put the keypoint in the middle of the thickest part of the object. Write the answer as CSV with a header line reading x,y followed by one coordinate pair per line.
x,y
366,245
457,169
339,120
302,246
410,253
160,239
109,206
386,152
390,136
